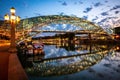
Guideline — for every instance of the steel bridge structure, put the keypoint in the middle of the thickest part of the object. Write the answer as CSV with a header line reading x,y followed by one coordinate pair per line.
x,y
32,26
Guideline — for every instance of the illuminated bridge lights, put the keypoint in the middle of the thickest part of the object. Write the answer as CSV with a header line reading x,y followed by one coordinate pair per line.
x,y
36,22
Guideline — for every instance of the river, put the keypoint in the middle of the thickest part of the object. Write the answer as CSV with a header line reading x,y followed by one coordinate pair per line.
x,y
74,62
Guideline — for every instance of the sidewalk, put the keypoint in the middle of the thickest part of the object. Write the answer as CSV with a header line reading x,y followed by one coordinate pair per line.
x,y
4,57
10,67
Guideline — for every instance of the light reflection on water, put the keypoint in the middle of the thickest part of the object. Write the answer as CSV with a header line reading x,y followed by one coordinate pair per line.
x,y
69,66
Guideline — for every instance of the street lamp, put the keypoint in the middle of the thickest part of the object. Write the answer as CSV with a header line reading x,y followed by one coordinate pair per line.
x,y
12,19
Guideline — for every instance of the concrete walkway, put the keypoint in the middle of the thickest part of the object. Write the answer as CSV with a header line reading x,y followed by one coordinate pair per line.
x,y
10,66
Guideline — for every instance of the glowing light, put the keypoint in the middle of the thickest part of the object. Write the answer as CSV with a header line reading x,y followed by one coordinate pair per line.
x,y
117,48
18,19
117,36
6,17
12,10
12,17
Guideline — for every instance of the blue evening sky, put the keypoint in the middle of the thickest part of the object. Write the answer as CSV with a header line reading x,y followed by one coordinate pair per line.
x,y
93,10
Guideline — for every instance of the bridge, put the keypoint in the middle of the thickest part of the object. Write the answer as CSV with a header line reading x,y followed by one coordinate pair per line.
x,y
29,25
63,31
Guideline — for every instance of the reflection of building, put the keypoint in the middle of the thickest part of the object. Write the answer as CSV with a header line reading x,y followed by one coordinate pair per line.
x,y
117,33
117,30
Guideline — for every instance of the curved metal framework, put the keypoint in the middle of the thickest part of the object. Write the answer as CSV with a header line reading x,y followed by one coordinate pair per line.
x,y
33,24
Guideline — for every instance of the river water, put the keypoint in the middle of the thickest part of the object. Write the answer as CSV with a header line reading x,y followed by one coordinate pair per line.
x,y
74,62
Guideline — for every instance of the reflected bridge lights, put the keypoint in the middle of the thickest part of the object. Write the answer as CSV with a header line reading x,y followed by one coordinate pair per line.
x,y
57,67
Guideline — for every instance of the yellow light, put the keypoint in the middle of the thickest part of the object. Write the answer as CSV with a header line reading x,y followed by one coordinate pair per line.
x,y
6,17
18,19
12,17
12,10
117,36
117,48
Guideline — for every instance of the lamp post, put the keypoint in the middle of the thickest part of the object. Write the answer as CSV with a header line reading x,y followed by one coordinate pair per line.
x,y
12,19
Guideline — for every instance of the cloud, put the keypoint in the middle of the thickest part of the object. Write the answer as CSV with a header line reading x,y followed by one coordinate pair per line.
x,y
106,1
109,22
85,17
80,2
87,10
116,7
61,13
75,3
94,18
104,13
64,3
105,19
97,4
73,15
116,12
60,1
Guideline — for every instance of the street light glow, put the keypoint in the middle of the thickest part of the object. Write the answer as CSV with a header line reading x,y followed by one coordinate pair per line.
x,y
12,20
12,10
13,17
18,19
6,17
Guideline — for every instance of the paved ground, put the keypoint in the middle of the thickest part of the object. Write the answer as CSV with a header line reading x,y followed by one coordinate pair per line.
x,y
4,61
10,67
4,57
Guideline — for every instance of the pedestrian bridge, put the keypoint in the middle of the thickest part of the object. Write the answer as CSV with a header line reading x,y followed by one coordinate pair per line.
x,y
29,25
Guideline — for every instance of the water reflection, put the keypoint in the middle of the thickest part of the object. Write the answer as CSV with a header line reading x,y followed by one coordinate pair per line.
x,y
65,59
67,66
